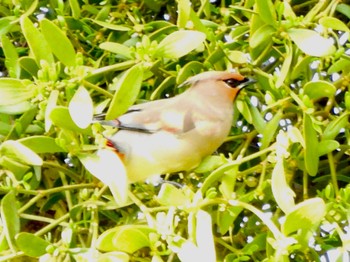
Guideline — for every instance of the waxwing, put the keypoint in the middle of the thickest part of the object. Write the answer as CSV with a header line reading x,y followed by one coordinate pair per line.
x,y
175,134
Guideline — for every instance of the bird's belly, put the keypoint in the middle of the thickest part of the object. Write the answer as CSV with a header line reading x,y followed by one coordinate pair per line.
x,y
147,155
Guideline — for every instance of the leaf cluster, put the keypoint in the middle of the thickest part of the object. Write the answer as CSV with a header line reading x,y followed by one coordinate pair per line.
x,y
277,189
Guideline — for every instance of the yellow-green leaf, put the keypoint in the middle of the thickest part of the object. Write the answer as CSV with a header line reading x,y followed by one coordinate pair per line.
x,y
306,40
319,89
334,23
306,215
14,91
127,89
60,45
18,151
36,41
180,43
311,146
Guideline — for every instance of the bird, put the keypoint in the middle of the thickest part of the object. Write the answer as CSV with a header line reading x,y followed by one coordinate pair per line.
x,y
174,134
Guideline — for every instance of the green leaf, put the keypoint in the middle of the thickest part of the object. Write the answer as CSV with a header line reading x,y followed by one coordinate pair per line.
x,y
184,10
18,169
285,69
31,245
311,146
209,163
74,5
29,64
237,57
117,48
169,195
106,165
333,128
344,9
61,117
81,108
36,41
51,104
305,39
261,36
179,43
306,215
334,23
190,69
41,144
125,238
14,91
9,218
257,119
60,45
11,57
327,146
18,151
318,89
127,90
339,65
267,12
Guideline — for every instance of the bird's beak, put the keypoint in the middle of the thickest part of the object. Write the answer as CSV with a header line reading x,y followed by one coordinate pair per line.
x,y
246,82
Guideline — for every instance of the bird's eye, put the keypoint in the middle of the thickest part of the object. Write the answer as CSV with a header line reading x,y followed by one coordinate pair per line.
x,y
234,82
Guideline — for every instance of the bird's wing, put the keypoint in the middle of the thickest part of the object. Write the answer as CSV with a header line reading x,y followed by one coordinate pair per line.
x,y
167,115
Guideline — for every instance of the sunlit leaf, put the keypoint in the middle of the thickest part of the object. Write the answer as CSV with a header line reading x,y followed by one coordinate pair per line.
x,y
31,245
81,108
60,45
61,117
282,193
16,109
169,195
306,215
108,167
339,65
305,39
180,43
14,91
204,236
184,10
125,238
10,218
16,150
334,23
117,48
111,26
127,89
267,11
319,89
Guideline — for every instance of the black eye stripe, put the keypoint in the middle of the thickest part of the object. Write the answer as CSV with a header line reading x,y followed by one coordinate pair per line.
x,y
234,82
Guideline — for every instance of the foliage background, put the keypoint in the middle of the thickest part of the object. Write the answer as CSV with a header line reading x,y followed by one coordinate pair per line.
x,y
277,190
